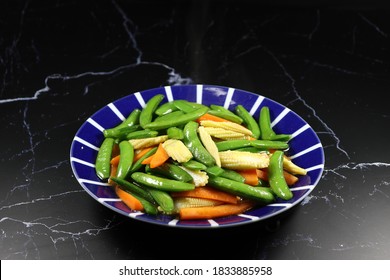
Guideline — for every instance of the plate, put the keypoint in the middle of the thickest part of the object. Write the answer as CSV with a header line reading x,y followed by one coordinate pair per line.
x,y
305,150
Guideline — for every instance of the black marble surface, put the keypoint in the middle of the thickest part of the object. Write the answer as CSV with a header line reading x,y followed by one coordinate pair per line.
x,y
60,61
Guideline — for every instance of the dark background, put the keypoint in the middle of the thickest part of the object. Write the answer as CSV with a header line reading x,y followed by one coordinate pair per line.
x,y
61,61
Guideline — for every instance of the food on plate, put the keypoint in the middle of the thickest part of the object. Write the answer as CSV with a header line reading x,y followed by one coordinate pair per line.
x,y
194,161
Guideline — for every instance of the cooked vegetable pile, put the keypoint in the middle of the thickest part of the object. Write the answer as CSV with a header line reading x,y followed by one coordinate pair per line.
x,y
195,161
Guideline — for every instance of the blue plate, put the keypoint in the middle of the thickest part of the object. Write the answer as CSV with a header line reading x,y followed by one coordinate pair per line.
x,y
305,149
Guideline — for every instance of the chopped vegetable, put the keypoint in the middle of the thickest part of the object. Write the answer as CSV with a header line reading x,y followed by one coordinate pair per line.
x,y
250,176
200,178
209,117
140,153
148,142
208,193
190,202
227,125
131,201
212,212
243,160
177,150
159,157
209,144
276,179
225,134
292,167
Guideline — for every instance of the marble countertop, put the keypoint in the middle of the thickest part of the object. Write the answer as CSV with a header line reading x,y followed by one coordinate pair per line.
x,y
61,61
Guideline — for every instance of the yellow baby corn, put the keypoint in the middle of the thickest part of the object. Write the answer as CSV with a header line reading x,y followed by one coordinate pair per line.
x,y
189,202
148,142
209,144
225,134
243,160
200,178
177,150
227,125
292,168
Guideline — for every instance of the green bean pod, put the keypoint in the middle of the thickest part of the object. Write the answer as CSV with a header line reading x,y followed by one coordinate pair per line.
x,y
120,133
249,120
214,171
242,143
133,189
187,106
175,133
147,112
276,178
103,158
170,116
251,149
166,108
163,199
164,124
194,165
131,120
193,143
138,164
241,189
232,175
267,133
149,207
160,183
171,171
224,113
126,152
145,133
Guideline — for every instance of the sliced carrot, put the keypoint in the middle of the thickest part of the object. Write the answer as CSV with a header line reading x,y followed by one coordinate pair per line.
x,y
250,176
147,160
209,117
115,150
132,202
262,174
208,193
159,157
211,212
290,178
113,171
115,160
140,153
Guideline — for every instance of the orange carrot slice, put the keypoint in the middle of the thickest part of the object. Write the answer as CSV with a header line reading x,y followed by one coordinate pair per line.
x,y
250,176
208,193
262,174
211,212
115,160
140,153
290,178
113,172
159,157
132,202
147,160
209,117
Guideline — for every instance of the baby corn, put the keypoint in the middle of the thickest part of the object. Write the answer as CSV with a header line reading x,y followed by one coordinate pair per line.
x,y
209,144
189,202
227,125
240,160
200,178
225,134
292,168
177,150
148,142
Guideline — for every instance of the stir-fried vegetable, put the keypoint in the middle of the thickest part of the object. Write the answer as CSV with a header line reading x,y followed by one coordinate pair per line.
x,y
196,162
